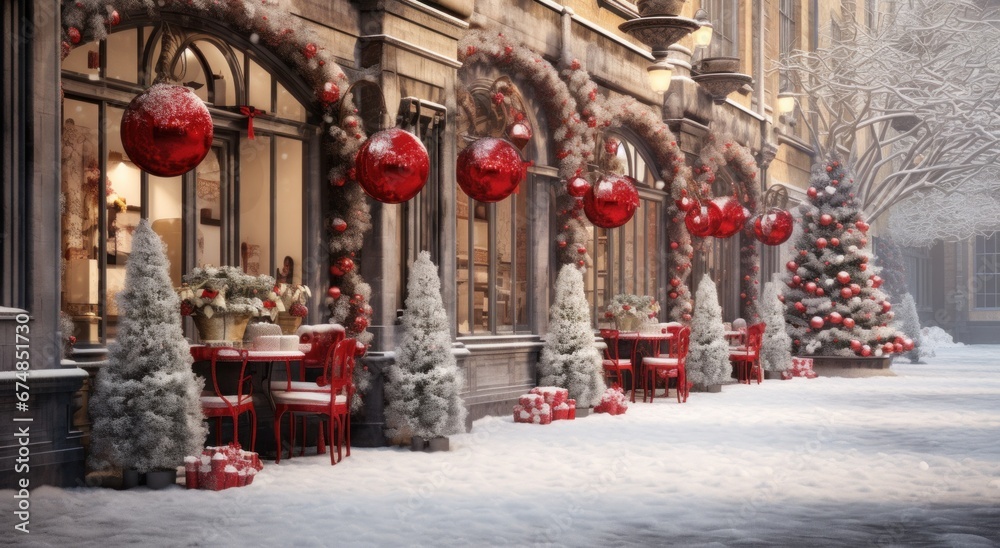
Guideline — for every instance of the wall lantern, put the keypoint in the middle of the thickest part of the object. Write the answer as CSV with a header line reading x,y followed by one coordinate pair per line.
x,y
703,36
660,74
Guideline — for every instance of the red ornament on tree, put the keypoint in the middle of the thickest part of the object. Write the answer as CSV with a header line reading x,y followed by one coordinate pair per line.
x,y
825,219
166,130
800,307
732,218
333,292
792,266
843,277
360,349
489,169
846,293
392,166
360,323
773,227
835,317
866,351
339,224
876,281
685,204
342,266
811,192
703,219
821,243
612,201
849,323
855,289
811,287
855,345
835,242
816,322
577,187
520,134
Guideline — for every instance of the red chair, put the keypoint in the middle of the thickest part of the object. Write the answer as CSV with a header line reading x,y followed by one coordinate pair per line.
x,y
672,367
320,338
746,358
614,365
330,397
217,404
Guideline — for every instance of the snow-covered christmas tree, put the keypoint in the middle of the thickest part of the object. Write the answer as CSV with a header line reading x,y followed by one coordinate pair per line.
x,y
833,304
146,407
776,347
708,356
422,391
570,359
908,322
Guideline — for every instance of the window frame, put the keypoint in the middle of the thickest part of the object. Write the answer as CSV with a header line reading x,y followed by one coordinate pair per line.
x,y
986,272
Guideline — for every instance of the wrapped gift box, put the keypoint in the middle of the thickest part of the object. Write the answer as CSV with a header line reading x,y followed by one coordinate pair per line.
x,y
613,402
553,395
219,468
801,367
535,415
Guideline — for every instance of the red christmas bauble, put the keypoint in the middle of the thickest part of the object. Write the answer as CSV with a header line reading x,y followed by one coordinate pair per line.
x,y
360,349
672,294
855,345
685,204
835,317
339,224
792,266
796,279
674,245
843,277
360,323
733,216
333,292
855,289
862,226
675,282
392,166
863,267
561,243
825,219
816,322
886,306
520,134
612,201
342,266
846,293
489,169
866,351
74,35
876,281
897,347
773,227
908,344
703,219
820,292
577,187
811,287
166,130
835,242
800,307
888,348
821,243
811,192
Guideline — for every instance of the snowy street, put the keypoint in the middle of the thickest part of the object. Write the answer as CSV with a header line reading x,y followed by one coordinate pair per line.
x,y
910,460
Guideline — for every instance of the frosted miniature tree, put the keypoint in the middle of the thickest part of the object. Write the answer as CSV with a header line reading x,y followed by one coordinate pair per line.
x,y
423,386
146,407
708,356
570,359
776,347
908,322
833,304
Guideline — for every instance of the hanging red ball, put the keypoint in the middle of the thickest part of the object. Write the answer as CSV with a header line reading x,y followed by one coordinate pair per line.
x,y
821,243
519,133
577,187
773,227
612,201
166,130
489,169
685,204
816,322
843,277
703,219
733,216
886,306
825,219
392,166
835,317
342,266
74,35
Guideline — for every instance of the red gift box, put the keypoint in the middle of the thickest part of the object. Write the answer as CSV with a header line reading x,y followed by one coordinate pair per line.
x,y
537,415
531,401
553,395
801,367
613,402
572,409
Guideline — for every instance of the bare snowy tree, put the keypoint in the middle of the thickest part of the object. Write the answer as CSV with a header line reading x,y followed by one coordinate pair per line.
x,y
913,101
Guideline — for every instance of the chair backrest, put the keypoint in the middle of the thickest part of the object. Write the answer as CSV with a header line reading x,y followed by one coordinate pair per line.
x,y
322,338
672,328
683,342
610,337
755,336
339,367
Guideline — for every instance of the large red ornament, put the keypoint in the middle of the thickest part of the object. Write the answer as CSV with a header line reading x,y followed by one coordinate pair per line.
x,y
342,266
773,227
703,220
811,192
733,216
577,187
489,169
392,166
612,201
166,130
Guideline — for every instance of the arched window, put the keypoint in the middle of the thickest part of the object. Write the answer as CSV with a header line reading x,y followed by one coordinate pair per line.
x,y
628,259
243,205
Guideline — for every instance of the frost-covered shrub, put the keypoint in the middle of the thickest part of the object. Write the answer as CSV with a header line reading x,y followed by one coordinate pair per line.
x,y
570,359
708,357
908,322
776,347
146,407
422,391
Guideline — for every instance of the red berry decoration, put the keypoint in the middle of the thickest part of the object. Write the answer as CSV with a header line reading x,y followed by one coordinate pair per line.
x,y
392,166
886,306
674,245
74,35
862,226
811,287
489,169
360,323
577,187
796,279
773,227
733,216
342,266
855,289
825,219
672,294
330,94
360,349
835,242
703,219
821,243
675,282
166,130
816,322
333,292
309,50
908,344
520,134
843,277
612,201
114,18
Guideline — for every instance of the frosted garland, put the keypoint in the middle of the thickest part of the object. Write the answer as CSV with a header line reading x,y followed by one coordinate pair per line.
x,y
574,141
269,23
599,112
741,161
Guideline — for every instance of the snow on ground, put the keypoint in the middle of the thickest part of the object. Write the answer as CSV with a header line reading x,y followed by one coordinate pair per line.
x,y
910,460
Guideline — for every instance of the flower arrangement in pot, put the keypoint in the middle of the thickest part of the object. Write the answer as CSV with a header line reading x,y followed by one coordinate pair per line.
x,y
630,312
293,298
223,299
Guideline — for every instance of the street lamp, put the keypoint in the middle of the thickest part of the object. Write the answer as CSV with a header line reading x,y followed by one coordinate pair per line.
x,y
786,102
660,74
703,36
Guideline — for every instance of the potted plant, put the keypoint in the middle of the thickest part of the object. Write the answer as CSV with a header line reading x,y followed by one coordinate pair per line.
x,y
630,312
223,299
293,299
708,366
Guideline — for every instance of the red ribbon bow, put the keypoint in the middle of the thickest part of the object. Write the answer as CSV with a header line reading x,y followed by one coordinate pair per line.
x,y
250,112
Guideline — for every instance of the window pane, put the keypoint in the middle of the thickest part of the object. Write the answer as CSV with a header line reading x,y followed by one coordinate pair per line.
x,y
288,211
259,92
190,72
289,107
79,59
123,200
255,204
209,192
463,255
521,264
628,255
166,212
505,264
481,267
122,56
223,90
640,251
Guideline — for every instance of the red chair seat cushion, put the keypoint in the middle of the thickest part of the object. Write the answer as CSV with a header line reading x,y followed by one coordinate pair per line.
x,y
216,402
660,362
283,397
617,363
304,386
